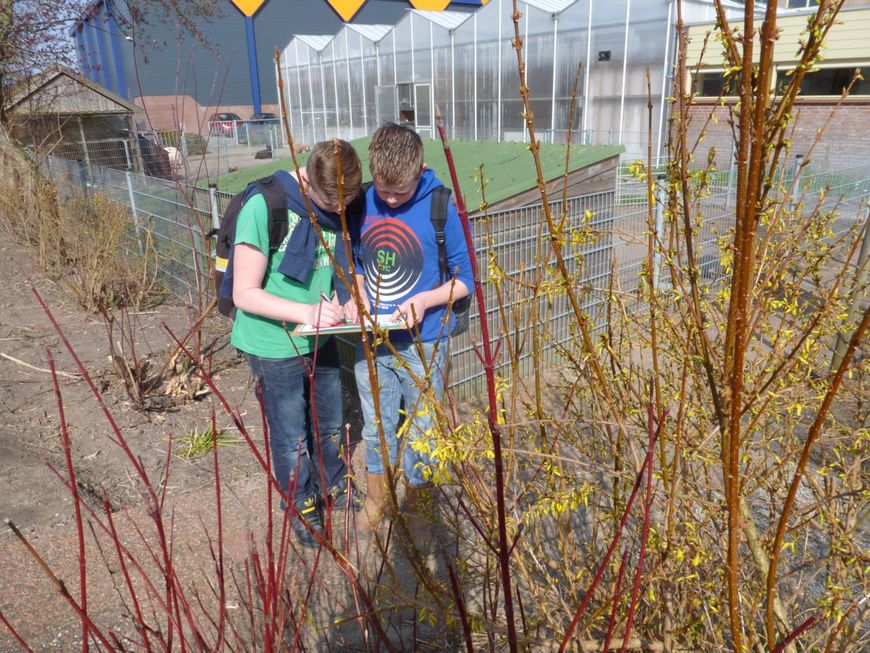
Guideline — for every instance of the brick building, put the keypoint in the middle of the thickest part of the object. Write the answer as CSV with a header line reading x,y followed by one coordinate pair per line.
x,y
837,129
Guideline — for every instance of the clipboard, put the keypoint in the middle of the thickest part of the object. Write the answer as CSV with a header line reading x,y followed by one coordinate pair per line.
x,y
382,320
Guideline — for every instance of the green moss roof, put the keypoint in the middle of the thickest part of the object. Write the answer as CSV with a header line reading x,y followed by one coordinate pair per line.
x,y
508,167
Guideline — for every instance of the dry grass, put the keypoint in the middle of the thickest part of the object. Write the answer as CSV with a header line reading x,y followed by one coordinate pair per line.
x,y
84,242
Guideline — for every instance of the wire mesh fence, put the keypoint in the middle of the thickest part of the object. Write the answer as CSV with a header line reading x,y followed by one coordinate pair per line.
x,y
604,247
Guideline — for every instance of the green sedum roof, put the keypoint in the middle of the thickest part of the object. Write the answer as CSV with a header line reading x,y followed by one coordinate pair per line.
x,y
508,167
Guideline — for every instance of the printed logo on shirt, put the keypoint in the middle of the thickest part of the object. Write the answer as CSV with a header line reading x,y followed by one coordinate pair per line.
x,y
321,259
392,259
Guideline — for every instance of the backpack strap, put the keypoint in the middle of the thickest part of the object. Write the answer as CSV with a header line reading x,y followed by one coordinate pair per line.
x,y
438,216
276,202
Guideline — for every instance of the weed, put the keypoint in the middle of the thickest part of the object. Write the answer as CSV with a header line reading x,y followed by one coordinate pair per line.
x,y
201,441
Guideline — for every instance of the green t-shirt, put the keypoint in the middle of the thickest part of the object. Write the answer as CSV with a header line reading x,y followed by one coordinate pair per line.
x,y
262,336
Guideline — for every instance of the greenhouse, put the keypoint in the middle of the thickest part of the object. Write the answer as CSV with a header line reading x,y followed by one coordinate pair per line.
x,y
465,65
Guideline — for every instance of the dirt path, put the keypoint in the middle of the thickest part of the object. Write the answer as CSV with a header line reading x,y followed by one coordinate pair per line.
x,y
41,507
36,501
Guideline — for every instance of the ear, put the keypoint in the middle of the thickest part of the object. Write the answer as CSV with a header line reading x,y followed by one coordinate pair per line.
x,y
422,168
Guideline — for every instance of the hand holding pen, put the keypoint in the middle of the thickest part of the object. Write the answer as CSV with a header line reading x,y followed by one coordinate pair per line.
x,y
325,313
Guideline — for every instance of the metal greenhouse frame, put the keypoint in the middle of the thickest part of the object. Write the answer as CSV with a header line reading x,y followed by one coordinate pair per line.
x,y
465,65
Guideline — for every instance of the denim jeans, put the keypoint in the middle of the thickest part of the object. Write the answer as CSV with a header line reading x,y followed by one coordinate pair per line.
x,y
297,443
396,384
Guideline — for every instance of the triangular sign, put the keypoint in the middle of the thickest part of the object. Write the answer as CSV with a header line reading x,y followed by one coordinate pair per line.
x,y
432,5
248,7
346,8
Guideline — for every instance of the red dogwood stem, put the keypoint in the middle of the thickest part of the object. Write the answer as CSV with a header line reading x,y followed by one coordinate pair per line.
x,y
489,369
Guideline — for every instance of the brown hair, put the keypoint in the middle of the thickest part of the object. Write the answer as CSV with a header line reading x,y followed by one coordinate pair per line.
x,y
322,169
395,154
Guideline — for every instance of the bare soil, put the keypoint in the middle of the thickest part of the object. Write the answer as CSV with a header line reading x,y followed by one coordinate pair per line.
x,y
36,501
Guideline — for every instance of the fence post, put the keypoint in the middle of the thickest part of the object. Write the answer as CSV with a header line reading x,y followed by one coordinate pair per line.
x,y
862,266
798,160
127,156
197,250
659,229
183,144
215,224
796,181
248,138
732,166
83,177
86,154
134,211
215,210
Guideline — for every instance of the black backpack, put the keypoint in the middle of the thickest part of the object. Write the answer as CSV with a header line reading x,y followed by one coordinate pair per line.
x,y
438,216
276,200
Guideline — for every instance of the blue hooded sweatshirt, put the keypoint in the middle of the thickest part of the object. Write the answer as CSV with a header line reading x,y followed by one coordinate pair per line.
x,y
399,256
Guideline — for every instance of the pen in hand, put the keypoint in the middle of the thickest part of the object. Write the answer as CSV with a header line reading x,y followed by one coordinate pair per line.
x,y
329,301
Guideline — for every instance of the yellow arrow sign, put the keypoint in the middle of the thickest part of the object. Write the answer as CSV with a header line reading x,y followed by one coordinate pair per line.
x,y
432,5
346,8
248,7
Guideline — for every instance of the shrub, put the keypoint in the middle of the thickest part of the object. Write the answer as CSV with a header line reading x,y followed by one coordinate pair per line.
x,y
85,242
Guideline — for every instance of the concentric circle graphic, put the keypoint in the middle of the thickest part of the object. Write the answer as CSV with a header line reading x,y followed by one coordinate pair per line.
x,y
392,259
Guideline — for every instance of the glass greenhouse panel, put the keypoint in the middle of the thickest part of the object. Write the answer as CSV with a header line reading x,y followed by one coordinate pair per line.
x,y
402,43
342,95
358,96
422,39
442,76
387,60
470,73
352,43
573,42
463,79
300,99
387,101
513,126
605,83
370,67
540,49
316,81
423,118
487,81
329,101
298,53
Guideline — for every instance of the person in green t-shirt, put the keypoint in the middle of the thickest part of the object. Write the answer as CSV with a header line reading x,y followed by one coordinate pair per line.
x,y
275,290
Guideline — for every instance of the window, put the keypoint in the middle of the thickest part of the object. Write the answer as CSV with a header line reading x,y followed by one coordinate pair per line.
x,y
832,81
713,85
801,4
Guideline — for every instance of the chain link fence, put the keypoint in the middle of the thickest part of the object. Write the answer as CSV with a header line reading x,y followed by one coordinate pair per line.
x,y
605,246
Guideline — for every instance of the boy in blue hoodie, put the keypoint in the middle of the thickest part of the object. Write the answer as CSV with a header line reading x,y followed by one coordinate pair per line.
x,y
398,275
275,289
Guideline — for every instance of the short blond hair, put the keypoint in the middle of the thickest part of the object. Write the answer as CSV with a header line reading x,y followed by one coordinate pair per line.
x,y
395,154
322,169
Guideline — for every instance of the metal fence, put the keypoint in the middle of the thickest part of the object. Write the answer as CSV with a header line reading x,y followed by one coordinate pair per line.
x,y
605,246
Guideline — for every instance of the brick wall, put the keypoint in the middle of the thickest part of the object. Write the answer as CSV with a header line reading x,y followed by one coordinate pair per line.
x,y
171,111
845,140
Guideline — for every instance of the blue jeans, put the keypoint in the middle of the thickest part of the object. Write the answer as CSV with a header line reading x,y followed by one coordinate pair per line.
x,y
396,383
305,451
